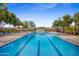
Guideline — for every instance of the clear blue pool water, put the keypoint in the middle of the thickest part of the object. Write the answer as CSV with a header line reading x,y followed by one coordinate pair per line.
x,y
39,44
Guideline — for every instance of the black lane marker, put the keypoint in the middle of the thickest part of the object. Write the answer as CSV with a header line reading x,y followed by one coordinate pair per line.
x,y
38,49
24,46
59,53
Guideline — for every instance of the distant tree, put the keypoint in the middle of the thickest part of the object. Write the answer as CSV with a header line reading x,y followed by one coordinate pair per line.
x,y
67,20
31,24
25,24
55,24
28,24
76,20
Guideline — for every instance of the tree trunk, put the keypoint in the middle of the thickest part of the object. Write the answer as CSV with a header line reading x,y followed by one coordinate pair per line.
x,y
2,24
75,30
78,28
63,29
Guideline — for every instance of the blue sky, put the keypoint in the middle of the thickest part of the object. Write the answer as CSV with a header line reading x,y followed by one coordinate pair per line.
x,y
43,14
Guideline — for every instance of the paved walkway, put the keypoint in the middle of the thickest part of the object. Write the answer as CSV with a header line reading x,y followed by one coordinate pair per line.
x,y
9,38
70,38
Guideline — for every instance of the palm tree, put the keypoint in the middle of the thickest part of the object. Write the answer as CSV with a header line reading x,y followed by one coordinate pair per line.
x,y
31,24
58,24
61,24
14,20
7,17
25,24
19,23
28,24
67,21
55,25
2,18
3,8
76,20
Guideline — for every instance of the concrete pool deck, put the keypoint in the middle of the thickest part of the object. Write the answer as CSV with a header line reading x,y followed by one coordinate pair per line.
x,y
70,38
9,38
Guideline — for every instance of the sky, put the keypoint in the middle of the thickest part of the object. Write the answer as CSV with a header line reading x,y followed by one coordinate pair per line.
x,y
42,14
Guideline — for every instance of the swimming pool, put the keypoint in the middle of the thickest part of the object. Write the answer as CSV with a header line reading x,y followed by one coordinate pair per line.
x,y
39,44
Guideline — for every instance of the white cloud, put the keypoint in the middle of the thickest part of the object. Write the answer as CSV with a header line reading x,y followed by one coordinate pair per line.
x,y
47,5
40,6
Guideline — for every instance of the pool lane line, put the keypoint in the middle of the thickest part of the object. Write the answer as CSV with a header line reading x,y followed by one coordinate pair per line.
x,y
38,48
59,53
24,46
